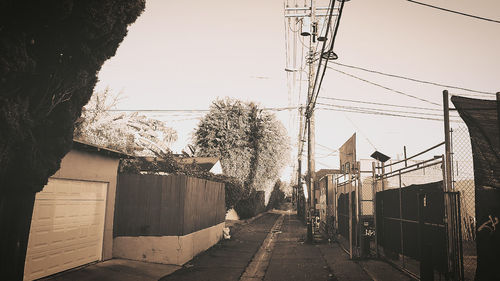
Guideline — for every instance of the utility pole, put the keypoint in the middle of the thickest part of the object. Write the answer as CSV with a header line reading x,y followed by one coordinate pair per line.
x,y
310,123
300,211
309,28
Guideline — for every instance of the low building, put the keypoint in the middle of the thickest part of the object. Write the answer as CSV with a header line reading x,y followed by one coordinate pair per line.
x,y
72,221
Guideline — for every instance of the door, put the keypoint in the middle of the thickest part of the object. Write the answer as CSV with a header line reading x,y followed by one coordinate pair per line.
x,y
67,227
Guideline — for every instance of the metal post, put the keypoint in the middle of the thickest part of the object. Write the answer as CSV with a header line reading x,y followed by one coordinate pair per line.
x,y
335,203
300,211
374,197
349,197
406,162
359,210
498,111
382,176
446,112
401,221
447,188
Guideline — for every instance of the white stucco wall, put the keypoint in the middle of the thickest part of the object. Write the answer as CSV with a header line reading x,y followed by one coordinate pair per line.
x,y
167,249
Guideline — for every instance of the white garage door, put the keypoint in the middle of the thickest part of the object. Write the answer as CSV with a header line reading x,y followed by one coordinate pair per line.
x,y
67,227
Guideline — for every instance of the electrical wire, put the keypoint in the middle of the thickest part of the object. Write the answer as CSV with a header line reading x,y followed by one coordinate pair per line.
x,y
364,135
383,104
383,87
314,94
325,156
413,79
326,165
387,114
193,110
326,147
454,12
381,109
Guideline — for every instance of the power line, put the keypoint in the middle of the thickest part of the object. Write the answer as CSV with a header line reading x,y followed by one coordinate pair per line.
x,y
366,137
380,113
192,110
326,147
383,87
454,12
384,104
381,109
336,28
385,114
413,79
158,110
326,165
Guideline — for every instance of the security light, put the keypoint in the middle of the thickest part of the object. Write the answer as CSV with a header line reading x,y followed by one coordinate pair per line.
x,y
380,156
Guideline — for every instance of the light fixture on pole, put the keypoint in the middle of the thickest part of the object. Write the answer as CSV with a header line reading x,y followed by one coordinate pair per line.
x,y
380,156
329,55
306,26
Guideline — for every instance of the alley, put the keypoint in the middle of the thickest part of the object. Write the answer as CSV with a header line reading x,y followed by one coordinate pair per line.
x,y
290,259
228,259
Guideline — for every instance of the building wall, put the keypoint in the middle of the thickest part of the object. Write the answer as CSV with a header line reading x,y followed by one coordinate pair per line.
x,y
93,166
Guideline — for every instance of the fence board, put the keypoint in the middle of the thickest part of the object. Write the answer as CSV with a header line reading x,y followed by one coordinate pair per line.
x,y
153,205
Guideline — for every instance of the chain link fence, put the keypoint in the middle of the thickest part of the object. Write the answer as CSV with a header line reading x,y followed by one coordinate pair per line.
x,y
463,181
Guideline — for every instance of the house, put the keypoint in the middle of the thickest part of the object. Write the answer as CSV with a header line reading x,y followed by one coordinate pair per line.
x,y
209,164
72,222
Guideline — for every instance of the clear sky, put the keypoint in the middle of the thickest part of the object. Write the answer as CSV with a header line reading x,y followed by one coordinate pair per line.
x,y
184,54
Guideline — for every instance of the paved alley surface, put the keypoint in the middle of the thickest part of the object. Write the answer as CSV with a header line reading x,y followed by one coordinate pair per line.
x,y
228,259
269,247
292,259
116,270
289,257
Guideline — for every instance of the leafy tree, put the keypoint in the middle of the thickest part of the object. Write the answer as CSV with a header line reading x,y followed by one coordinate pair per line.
x,y
252,144
277,196
132,133
50,53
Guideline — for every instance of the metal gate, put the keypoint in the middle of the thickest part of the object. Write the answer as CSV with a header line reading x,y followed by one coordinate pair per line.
x,y
417,222
354,212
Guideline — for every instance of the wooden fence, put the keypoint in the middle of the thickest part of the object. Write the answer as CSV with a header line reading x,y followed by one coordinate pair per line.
x,y
175,205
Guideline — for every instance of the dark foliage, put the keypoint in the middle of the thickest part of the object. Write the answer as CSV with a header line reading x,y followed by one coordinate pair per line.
x,y
251,205
277,196
50,53
234,190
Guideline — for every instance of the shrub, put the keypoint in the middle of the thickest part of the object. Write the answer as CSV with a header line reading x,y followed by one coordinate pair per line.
x,y
277,196
252,205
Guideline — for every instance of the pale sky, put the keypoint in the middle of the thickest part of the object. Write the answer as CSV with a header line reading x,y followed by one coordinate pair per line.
x,y
185,54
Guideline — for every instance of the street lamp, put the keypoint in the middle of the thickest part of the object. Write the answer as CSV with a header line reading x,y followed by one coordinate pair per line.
x,y
380,156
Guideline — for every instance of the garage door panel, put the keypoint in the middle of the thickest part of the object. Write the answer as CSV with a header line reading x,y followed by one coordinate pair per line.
x,y
67,227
